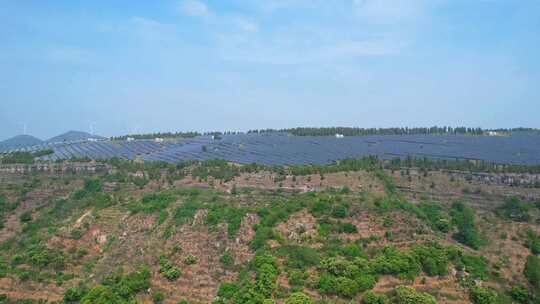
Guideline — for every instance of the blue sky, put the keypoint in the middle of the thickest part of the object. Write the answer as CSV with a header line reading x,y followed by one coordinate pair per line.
x,y
143,66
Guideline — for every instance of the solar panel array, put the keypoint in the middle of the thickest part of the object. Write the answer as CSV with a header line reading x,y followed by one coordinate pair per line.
x,y
282,149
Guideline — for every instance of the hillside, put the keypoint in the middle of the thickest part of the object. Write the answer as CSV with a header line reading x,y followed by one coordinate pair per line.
x,y
73,136
19,141
362,231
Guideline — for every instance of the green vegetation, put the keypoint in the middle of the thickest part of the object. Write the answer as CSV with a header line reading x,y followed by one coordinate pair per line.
x,y
298,298
533,241
170,271
247,290
152,202
464,219
532,271
433,257
164,135
481,295
351,131
514,209
24,157
327,254
433,214
158,297
520,294
407,295
374,298
116,288
227,259
5,207
219,213
190,260
26,216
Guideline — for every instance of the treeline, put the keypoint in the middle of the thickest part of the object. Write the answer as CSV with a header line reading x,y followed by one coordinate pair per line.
x,y
226,171
24,157
167,135
170,135
353,131
429,164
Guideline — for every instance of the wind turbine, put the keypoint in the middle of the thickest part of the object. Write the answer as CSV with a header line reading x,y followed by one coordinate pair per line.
x,y
24,124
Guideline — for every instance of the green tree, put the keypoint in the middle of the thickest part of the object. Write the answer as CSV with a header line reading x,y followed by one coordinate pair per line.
x,y
532,271
298,298
464,219
408,295
519,293
373,298
102,295
480,295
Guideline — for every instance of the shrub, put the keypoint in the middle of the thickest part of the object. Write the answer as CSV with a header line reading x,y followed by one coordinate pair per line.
x,y
352,251
152,202
186,211
233,216
476,266
433,214
170,271
347,227
75,294
326,284
532,271
91,186
297,278
134,282
408,295
163,215
42,256
374,298
227,290
393,261
298,298
481,295
533,241
519,293
365,281
26,217
158,297
76,233
227,259
340,211
190,260
464,219
102,295
266,280
346,287
514,209
300,257
262,235
433,258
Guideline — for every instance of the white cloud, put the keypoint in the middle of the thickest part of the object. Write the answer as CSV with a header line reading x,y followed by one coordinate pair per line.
x,y
282,50
194,8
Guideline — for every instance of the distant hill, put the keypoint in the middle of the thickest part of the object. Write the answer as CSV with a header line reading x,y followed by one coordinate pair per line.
x,y
73,136
19,141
